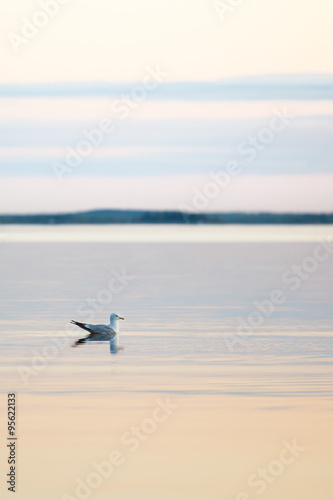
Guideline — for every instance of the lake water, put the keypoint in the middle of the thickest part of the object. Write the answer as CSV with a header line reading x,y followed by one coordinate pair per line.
x,y
226,369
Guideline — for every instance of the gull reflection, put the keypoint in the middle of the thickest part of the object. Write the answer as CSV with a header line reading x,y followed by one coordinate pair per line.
x,y
114,345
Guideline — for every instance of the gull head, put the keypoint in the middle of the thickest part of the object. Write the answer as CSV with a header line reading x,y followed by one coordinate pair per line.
x,y
115,317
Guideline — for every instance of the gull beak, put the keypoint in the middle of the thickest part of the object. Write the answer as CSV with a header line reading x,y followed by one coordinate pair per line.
x,y
120,317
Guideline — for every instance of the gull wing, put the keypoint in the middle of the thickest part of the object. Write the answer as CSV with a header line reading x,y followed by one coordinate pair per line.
x,y
104,332
101,330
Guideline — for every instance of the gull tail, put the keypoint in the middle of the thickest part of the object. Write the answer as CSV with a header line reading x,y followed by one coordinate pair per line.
x,y
81,325
79,341
77,323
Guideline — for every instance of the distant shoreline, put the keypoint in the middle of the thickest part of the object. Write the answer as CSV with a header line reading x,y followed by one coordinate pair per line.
x,y
165,217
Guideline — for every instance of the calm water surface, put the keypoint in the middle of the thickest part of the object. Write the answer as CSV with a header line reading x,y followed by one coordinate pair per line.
x,y
187,293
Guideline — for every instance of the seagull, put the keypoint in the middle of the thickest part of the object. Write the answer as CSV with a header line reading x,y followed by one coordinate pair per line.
x,y
98,333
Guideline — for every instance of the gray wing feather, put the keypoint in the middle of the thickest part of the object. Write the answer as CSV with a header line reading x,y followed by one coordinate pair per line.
x,y
104,330
96,332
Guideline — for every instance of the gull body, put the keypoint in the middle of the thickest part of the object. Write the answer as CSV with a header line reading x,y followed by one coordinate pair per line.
x,y
98,333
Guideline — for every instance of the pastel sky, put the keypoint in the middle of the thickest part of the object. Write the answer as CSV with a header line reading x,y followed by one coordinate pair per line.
x,y
263,59
114,40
